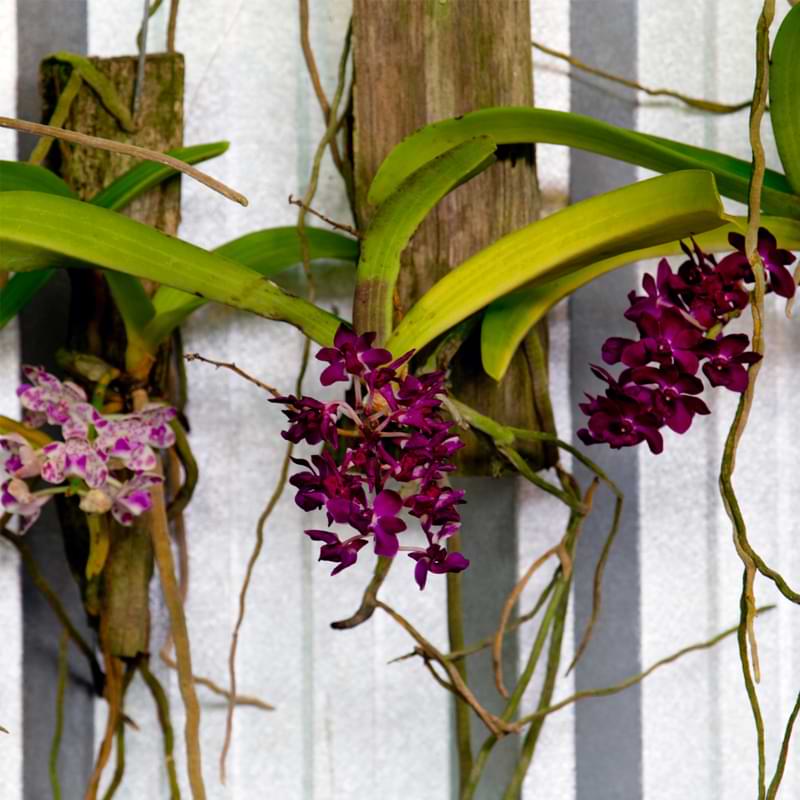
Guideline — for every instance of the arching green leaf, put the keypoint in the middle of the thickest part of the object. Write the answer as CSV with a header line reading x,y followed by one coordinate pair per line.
x,y
633,217
784,95
17,176
521,125
508,319
267,252
394,223
38,229
147,174
272,250
19,291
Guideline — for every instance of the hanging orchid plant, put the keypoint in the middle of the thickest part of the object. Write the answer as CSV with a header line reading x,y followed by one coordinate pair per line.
x,y
385,449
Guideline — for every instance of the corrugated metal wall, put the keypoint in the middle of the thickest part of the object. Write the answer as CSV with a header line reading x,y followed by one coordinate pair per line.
x,y
347,725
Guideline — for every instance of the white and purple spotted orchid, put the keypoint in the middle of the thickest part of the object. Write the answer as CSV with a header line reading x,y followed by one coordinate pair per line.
x,y
396,434
95,460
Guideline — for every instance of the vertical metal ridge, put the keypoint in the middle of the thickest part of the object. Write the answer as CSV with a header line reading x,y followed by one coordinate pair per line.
x,y
608,732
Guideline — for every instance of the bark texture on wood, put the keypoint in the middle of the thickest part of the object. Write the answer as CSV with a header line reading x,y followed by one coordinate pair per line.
x,y
424,60
95,326
159,124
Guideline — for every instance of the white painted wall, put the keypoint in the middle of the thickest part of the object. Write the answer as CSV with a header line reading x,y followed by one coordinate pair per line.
x,y
10,600
697,724
348,725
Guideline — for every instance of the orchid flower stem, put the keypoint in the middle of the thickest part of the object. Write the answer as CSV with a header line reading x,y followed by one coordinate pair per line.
x,y
55,746
164,720
162,551
455,630
55,604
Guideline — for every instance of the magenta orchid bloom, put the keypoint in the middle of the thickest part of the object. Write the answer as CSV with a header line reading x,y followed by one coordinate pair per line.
x,y
680,320
396,432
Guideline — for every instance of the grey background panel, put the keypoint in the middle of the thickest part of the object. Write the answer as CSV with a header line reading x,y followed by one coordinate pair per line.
x,y
44,26
608,732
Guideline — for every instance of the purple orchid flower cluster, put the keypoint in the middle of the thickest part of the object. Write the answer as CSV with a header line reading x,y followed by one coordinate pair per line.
x,y
394,433
108,460
680,319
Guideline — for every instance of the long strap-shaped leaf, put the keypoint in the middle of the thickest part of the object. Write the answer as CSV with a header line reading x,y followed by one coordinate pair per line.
x,y
517,125
508,319
17,176
784,95
394,223
128,293
38,229
19,291
147,174
640,215
267,252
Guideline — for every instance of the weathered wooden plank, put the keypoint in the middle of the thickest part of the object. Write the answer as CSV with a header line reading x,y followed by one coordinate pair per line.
x,y
95,326
418,62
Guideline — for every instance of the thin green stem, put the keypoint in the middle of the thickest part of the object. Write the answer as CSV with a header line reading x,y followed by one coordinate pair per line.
x,y
775,783
742,633
119,768
545,698
190,471
164,720
455,630
55,745
554,606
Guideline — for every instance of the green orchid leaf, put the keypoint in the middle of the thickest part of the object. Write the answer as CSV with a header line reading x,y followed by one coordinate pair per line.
x,y
39,229
637,216
784,95
508,319
527,125
148,174
396,220
17,176
272,250
19,291
134,305
268,252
